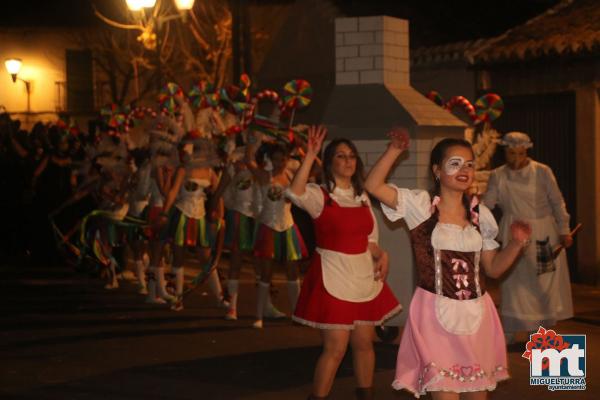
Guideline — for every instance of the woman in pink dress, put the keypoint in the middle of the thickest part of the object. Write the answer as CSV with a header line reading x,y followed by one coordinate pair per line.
x,y
452,343
344,291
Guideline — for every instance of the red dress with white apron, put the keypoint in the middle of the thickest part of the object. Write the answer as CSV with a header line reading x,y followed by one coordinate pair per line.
x,y
342,235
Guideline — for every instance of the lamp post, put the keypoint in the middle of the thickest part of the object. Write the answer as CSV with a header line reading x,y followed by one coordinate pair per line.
x,y
13,66
157,21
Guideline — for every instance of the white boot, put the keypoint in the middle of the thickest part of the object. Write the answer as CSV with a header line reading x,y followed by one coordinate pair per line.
x,y
232,288
270,311
261,299
215,287
161,285
140,269
152,297
179,280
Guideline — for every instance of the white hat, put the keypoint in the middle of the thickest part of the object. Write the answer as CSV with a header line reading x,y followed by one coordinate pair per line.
x,y
516,139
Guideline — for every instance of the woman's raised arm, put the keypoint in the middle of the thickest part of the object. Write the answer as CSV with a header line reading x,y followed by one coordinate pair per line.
x,y
375,183
316,135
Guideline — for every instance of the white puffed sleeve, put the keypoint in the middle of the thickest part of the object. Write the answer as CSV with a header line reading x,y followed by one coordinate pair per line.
x,y
488,227
412,205
312,200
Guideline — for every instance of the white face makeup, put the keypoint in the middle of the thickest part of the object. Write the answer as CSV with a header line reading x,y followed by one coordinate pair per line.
x,y
455,164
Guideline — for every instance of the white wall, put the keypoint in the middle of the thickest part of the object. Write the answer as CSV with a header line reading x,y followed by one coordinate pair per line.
x,y
410,172
43,56
371,50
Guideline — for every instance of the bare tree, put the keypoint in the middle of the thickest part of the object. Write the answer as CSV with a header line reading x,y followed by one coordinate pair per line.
x,y
133,51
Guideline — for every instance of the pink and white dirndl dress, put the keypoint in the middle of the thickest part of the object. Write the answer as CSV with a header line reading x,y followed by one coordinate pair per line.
x,y
453,339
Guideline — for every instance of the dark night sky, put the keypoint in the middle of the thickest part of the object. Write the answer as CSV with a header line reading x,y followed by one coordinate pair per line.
x,y
432,21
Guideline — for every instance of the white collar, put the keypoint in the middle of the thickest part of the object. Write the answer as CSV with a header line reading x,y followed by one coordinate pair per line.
x,y
339,192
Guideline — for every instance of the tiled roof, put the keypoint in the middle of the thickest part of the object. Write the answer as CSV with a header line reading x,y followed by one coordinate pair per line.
x,y
570,27
444,54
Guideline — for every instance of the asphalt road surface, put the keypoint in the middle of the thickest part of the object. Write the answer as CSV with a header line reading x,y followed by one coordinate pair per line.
x,y
65,337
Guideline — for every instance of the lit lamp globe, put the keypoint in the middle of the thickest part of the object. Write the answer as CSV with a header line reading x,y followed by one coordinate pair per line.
x,y
137,5
184,5
13,66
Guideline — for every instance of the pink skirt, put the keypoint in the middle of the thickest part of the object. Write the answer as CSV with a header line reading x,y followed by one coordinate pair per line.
x,y
432,359
318,309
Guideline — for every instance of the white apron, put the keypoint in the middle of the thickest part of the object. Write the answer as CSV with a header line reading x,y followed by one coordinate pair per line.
x,y
527,296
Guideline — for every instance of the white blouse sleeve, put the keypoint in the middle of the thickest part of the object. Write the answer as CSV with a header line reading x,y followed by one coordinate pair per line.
x,y
488,227
413,205
312,200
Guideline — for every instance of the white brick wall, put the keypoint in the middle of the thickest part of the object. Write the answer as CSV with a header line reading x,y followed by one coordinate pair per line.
x,y
371,23
372,76
347,78
411,171
359,38
376,47
346,51
359,63
371,50
395,25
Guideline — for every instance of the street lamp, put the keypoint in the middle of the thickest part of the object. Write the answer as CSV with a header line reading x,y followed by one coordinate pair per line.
x,y
151,31
184,4
137,5
13,66
149,23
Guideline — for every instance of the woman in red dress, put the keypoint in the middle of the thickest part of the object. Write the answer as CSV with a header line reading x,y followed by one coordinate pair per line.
x,y
344,292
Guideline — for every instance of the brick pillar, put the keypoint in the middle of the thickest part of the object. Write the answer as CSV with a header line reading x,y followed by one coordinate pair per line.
x,y
372,50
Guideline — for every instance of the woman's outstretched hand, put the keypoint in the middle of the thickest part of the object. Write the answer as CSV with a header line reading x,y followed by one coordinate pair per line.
x,y
399,138
521,232
316,135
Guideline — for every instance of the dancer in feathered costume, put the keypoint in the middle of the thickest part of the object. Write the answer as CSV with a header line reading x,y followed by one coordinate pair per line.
x,y
164,139
184,213
104,228
277,237
138,204
239,224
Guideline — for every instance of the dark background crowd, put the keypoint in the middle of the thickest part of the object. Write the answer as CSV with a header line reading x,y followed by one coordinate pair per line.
x,y
37,176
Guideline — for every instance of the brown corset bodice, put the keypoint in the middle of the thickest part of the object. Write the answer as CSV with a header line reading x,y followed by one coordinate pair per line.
x,y
459,275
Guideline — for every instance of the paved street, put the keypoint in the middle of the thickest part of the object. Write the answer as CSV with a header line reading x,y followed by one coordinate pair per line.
x,y
65,337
